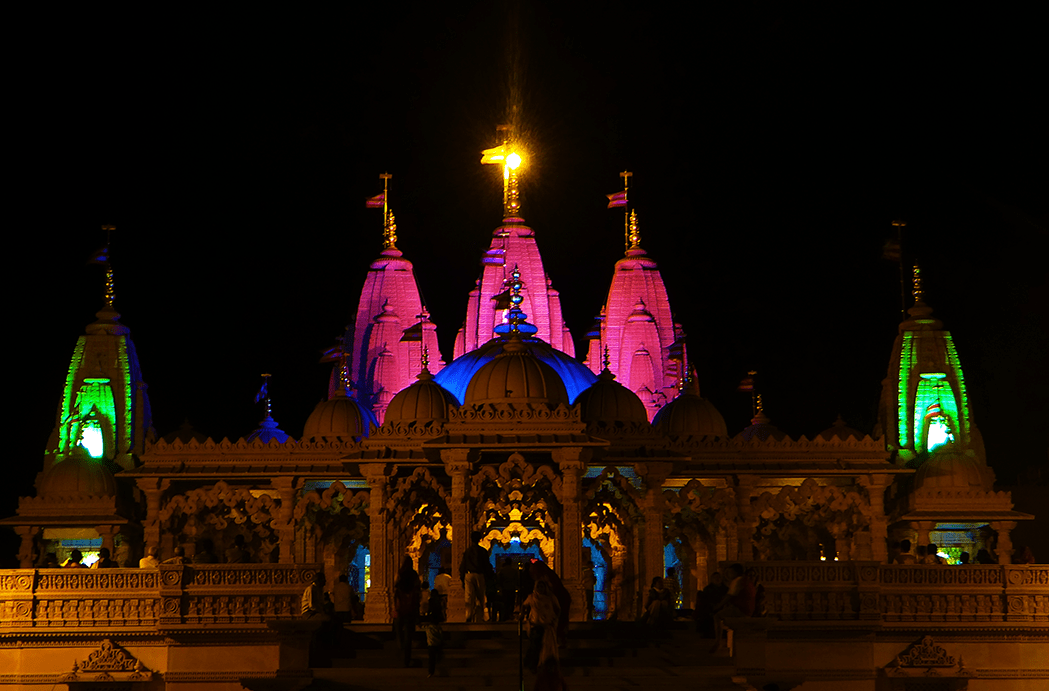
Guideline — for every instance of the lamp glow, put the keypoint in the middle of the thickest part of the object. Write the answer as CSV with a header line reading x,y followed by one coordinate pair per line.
x,y
513,160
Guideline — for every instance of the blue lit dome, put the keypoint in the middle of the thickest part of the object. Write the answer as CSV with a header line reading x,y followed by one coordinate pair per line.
x,y
515,375
574,375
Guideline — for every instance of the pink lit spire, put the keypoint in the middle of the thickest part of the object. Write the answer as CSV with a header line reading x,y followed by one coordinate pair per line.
x,y
645,347
391,328
513,245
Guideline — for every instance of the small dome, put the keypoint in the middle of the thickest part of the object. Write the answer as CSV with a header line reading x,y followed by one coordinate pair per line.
x,y
839,430
948,468
609,401
516,376
761,428
423,401
689,414
339,416
78,475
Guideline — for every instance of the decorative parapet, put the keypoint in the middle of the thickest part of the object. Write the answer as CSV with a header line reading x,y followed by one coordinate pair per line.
x,y
172,595
896,593
209,450
532,417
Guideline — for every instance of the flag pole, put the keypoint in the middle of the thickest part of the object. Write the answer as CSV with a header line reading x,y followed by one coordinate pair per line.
x,y
385,177
626,174
900,225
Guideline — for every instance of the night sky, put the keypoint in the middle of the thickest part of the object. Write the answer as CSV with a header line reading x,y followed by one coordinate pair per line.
x,y
771,149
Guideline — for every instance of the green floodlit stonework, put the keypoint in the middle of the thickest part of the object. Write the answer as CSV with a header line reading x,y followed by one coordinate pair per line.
x,y
91,411
905,375
126,384
934,392
962,433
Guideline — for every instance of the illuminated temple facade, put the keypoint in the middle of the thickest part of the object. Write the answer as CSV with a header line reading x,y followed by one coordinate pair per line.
x,y
618,461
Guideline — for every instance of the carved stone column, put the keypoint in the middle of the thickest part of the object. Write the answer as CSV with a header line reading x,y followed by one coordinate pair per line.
x,y
879,524
152,488
745,523
29,535
458,465
106,532
652,508
285,487
1004,549
379,598
572,466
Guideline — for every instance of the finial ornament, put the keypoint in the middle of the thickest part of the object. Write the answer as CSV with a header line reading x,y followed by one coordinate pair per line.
x,y
517,320
381,201
264,394
426,357
759,407
619,199
102,257
633,231
389,232
917,292
509,156
606,361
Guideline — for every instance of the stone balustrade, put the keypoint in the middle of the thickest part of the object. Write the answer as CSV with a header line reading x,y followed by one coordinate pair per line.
x,y
893,592
169,596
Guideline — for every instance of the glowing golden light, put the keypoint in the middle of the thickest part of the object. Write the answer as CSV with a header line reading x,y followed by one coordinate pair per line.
x,y
513,160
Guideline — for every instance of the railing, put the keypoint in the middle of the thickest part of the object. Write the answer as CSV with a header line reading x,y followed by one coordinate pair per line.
x,y
892,592
171,595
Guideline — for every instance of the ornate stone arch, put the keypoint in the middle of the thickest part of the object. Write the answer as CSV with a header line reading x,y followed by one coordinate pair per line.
x,y
517,491
793,522
418,511
611,516
332,523
220,511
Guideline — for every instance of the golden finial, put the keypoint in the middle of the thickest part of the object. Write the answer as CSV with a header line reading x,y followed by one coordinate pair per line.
x,y
509,156
758,406
606,360
917,292
426,357
389,231
634,234
110,290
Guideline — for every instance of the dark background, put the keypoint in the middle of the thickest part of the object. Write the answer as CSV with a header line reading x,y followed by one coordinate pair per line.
x,y
772,147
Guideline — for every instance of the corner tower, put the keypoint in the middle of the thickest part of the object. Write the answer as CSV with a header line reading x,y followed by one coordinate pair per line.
x,y
104,409
645,347
390,330
924,407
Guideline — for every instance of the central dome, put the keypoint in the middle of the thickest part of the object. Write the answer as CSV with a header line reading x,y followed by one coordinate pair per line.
x,y
516,376
456,377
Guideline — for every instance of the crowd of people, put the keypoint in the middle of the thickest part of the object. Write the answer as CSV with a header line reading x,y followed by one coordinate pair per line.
x,y
901,553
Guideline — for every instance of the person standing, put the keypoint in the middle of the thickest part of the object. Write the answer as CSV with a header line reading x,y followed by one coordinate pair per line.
x,y
434,633
406,593
589,583
473,569
340,597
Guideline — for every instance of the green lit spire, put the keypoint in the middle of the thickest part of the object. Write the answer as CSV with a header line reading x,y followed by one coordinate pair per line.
x,y
924,404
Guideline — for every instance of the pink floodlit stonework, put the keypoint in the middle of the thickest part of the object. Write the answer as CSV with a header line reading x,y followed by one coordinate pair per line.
x,y
513,244
645,347
384,359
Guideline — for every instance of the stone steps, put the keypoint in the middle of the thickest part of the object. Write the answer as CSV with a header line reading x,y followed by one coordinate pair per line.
x,y
603,655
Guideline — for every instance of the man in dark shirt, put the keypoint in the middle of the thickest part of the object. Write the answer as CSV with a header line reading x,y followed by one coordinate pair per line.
x,y
473,569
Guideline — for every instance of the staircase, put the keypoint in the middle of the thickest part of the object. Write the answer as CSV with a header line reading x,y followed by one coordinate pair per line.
x,y
609,656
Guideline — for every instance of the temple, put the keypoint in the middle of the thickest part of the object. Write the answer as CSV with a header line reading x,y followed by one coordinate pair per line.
x,y
619,463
